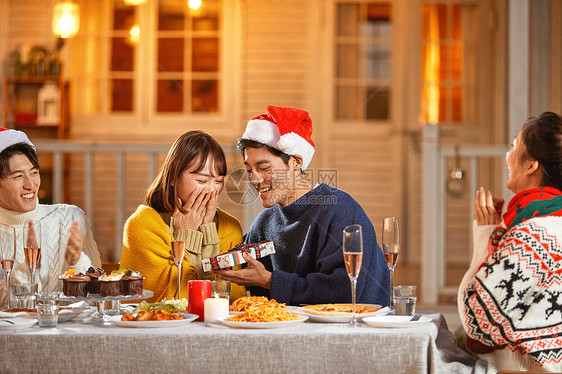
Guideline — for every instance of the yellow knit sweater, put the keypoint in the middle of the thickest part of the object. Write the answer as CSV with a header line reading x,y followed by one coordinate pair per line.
x,y
146,248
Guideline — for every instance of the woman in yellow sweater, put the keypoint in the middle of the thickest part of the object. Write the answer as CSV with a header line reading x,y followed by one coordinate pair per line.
x,y
188,184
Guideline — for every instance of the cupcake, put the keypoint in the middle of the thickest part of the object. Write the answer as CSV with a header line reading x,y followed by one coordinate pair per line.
x,y
75,284
94,274
110,285
119,273
132,283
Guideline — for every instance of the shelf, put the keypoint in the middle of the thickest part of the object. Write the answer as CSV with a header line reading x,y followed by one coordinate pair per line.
x,y
21,111
34,79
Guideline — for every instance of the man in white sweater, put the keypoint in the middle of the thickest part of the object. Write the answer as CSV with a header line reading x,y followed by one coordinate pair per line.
x,y
66,236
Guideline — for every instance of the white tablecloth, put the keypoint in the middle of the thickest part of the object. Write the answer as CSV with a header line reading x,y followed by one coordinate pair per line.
x,y
202,348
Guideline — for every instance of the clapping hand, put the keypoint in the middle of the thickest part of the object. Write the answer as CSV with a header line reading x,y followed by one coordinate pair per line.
x,y
75,245
487,209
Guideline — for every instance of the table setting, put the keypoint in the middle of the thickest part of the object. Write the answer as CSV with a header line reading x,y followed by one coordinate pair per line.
x,y
252,333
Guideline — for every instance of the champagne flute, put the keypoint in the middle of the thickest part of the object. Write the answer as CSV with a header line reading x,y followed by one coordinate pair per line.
x,y
177,242
32,245
391,247
7,255
353,257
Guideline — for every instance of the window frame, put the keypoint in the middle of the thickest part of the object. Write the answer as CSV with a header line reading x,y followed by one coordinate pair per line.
x,y
362,83
144,115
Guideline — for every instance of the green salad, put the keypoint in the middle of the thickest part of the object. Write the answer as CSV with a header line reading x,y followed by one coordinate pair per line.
x,y
173,305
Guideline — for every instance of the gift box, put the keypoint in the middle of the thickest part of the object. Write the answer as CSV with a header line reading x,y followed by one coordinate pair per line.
x,y
234,256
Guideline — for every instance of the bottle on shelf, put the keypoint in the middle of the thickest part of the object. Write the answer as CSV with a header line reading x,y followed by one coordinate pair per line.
x,y
54,64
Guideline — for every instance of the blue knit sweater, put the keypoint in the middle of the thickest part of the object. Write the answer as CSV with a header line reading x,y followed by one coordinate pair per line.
x,y
308,266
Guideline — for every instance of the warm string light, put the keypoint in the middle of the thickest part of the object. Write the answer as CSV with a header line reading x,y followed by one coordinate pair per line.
x,y
134,34
194,4
134,2
66,19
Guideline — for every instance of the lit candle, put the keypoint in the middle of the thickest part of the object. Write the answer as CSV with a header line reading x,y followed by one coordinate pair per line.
x,y
215,308
198,291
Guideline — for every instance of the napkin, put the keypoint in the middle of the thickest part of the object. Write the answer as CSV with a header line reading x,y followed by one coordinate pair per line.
x,y
79,304
381,312
11,315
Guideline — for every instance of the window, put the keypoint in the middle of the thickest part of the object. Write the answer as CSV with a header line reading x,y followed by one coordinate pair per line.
x,y
363,60
166,43
448,75
188,44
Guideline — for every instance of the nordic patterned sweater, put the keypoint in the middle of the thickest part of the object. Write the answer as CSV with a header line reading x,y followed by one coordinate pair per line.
x,y
308,265
512,306
56,221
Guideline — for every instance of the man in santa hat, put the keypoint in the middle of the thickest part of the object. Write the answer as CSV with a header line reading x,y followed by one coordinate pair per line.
x,y
67,238
305,224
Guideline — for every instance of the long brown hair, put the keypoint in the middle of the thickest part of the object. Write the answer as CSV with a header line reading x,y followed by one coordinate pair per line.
x,y
190,148
542,137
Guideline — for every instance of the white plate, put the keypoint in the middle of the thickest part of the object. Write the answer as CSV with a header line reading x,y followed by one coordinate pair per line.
x,y
66,313
152,324
392,321
263,325
339,319
16,323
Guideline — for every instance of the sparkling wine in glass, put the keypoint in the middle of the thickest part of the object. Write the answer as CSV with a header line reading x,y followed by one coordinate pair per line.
x,y
178,226
7,255
32,245
391,247
353,256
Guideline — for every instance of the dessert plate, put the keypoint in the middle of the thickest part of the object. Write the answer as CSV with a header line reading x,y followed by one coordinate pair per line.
x,y
16,323
116,320
263,325
392,321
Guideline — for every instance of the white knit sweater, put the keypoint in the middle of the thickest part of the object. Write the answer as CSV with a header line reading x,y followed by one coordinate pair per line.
x,y
56,221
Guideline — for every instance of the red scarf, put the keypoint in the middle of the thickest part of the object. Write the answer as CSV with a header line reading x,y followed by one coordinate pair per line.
x,y
536,202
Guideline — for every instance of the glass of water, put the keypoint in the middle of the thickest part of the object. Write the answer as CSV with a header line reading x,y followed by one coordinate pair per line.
x,y
25,295
48,309
405,300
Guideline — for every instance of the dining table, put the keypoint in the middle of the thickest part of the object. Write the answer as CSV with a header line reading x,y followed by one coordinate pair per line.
x,y
80,346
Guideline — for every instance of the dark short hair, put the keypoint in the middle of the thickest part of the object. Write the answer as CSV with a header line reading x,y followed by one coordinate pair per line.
x,y
247,143
17,149
542,140
188,149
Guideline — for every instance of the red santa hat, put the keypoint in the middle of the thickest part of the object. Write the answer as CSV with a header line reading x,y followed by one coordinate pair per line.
x,y
10,137
286,129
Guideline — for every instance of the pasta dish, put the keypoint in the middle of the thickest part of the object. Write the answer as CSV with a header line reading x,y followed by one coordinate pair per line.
x,y
260,309
244,303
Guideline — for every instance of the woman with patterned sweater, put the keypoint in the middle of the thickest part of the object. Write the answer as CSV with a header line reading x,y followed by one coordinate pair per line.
x,y
510,299
66,235
188,184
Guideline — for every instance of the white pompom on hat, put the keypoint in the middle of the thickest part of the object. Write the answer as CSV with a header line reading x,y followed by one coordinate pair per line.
x,y
286,129
10,137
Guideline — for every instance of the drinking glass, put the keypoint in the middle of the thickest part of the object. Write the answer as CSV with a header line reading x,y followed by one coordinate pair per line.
x,y
25,295
177,243
221,289
353,256
48,309
7,255
391,247
32,245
